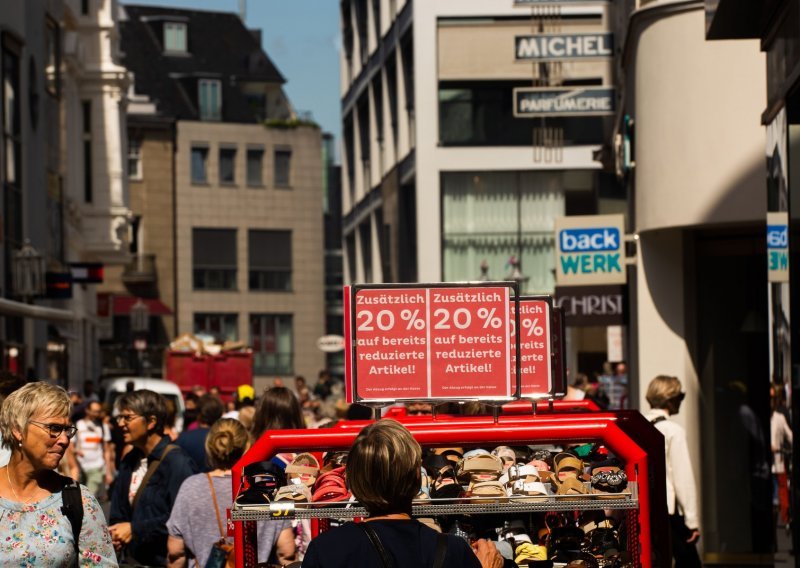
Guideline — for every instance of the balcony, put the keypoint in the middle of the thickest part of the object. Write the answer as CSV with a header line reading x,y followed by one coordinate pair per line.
x,y
140,270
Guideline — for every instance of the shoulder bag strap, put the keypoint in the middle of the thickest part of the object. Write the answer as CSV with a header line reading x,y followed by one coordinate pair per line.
x,y
386,560
216,508
441,551
72,507
150,470
658,419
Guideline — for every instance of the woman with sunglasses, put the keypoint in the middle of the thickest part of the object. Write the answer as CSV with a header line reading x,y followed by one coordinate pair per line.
x,y
35,427
148,480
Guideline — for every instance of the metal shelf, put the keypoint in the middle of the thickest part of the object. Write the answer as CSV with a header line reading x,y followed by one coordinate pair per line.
x,y
442,507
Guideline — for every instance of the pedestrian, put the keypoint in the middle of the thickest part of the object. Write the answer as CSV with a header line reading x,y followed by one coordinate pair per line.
x,y
148,481
780,441
383,472
35,426
193,442
194,526
94,450
665,396
9,382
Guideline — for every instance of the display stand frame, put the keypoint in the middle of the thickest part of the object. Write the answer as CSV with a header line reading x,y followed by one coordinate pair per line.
x,y
619,432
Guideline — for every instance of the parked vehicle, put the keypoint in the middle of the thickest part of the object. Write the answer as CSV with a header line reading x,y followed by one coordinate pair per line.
x,y
110,389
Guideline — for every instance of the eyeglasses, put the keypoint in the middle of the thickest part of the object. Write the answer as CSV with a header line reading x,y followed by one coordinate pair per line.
x,y
126,418
55,430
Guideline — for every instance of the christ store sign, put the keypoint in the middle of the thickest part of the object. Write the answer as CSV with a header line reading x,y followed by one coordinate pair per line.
x,y
592,305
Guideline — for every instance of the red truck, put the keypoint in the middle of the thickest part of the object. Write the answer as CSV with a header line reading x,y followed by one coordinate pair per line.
x,y
226,370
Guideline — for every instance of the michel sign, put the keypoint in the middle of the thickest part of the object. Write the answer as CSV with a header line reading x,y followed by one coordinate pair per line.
x,y
590,250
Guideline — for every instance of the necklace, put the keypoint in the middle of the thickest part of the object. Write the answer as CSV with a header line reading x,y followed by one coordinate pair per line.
x,y
11,485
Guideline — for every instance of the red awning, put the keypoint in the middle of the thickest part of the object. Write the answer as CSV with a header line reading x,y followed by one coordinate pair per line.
x,y
123,304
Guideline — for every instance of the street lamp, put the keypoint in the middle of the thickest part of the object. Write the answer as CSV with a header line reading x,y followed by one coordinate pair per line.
x,y
28,269
517,275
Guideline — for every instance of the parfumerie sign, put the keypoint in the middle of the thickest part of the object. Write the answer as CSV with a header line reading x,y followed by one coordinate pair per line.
x,y
585,101
546,47
590,250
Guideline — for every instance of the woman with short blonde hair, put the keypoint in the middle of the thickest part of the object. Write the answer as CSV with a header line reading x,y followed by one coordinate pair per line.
x,y
662,389
35,425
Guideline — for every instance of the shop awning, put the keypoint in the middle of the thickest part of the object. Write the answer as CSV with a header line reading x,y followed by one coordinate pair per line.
x,y
123,305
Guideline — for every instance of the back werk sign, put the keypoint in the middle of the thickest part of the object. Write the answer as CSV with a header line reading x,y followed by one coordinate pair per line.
x,y
546,47
589,101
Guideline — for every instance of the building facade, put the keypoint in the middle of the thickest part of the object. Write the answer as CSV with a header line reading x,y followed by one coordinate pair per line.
x,y
64,191
227,192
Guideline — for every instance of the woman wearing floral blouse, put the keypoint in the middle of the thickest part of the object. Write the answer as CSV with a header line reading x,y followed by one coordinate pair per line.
x,y
35,426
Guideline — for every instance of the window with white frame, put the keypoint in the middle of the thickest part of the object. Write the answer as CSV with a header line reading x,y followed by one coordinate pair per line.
x,y
174,37
134,158
221,326
209,96
272,341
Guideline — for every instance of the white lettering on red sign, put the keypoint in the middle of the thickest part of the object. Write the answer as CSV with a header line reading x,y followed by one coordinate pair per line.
x,y
534,348
432,343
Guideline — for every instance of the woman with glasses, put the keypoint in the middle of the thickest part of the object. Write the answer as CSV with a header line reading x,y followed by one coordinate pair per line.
x,y
35,427
148,480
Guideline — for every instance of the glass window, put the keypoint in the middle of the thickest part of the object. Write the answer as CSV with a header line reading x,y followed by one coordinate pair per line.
x,y
255,166
214,259
88,190
494,216
174,37
134,158
223,327
11,121
271,340
227,165
270,260
283,164
199,164
209,96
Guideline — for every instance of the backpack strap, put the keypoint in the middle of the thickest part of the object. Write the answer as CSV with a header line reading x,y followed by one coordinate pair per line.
x,y
386,560
658,419
441,551
150,471
72,507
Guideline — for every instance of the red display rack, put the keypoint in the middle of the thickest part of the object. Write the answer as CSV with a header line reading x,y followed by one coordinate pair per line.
x,y
626,434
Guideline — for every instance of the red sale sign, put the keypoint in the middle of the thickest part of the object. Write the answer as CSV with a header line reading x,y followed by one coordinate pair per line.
x,y
534,347
431,343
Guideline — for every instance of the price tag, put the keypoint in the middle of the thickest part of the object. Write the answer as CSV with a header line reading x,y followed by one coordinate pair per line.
x,y
282,510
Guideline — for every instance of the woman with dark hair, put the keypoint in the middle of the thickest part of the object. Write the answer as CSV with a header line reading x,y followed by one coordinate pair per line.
x,y
278,409
148,481
194,526
384,473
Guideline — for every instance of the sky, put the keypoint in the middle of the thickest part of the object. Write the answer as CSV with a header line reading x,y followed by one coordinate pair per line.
x,y
302,39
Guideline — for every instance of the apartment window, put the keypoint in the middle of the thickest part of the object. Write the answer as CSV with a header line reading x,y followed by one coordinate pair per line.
x,y
270,260
271,340
283,164
227,165
223,327
199,164
84,7
209,95
134,158
11,120
255,167
88,190
174,37
214,259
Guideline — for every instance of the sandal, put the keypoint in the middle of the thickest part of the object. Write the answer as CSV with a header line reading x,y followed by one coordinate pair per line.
x,y
303,469
492,490
331,487
479,467
506,454
445,485
260,480
296,492
567,465
569,486
608,481
424,486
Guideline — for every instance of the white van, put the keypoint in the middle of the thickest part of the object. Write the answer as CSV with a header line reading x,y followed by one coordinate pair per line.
x,y
110,389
